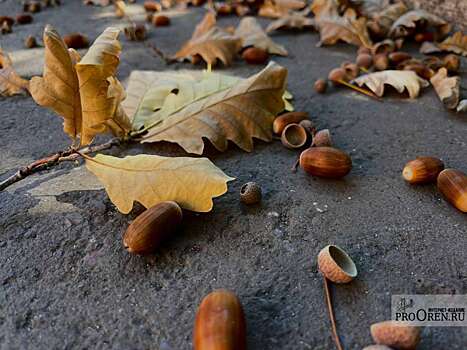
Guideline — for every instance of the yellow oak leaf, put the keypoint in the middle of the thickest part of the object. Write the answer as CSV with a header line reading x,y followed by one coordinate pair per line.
x,y
447,88
399,79
10,82
149,179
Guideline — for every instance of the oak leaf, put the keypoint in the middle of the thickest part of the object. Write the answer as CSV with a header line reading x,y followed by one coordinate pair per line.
x,y
211,43
409,20
462,106
457,43
251,33
293,20
387,16
10,82
324,8
400,80
84,92
214,109
279,8
149,179
447,88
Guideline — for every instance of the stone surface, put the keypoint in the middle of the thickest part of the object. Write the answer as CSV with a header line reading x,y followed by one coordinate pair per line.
x,y
455,11
67,283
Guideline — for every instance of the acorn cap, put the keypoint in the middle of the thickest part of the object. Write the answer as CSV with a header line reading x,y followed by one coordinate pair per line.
x,y
294,136
395,334
422,170
452,184
336,265
250,193
322,138
285,119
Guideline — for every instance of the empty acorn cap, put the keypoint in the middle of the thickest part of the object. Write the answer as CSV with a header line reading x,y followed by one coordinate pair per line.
x,y
336,265
294,136
395,334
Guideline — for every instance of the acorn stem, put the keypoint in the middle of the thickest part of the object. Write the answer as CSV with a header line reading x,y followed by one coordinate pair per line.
x,y
331,314
359,89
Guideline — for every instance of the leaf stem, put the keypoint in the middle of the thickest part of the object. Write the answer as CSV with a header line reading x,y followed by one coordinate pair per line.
x,y
360,90
331,314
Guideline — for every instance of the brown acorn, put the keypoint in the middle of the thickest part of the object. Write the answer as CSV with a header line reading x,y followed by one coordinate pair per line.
x,y
32,6
320,86
24,18
161,21
285,119
384,47
453,185
220,323
198,2
5,28
422,170
223,9
337,74
381,61
250,193
363,50
325,162
255,55
336,265
452,62
351,70
398,57
8,20
395,335
294,136
426,36
135,32
152,6
30,42
76,41
421,70
322,138
154,225
377,347
364,60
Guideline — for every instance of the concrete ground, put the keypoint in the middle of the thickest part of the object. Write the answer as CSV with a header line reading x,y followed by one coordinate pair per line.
x,y
67,283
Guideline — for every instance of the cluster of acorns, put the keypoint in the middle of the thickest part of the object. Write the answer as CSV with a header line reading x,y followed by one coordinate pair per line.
x,y
451,183
320,158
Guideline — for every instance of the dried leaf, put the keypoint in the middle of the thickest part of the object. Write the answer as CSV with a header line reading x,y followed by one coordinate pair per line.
x,y
462,106
410,19
85,94
369,7
293,20
346,28
238,113
400,80
210,42
447,88
386,17
325,8
279,8
10,82
148,179
457,43
251,33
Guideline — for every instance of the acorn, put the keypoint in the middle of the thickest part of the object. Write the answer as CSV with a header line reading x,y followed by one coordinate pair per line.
x,y
364,60
326,162
426,36
32,6
398,57
285,119
322,138
384,47
337,74
421,70
8,20
154,225
422,170
223,9
452,62
135,32
24,18
294,136
452,184
30,42
255,55
336,265
395,335
381,61
377,347
351,70
363,50
152,6
309,127
220,323
320,86
160,21
198,2
76,41
250,193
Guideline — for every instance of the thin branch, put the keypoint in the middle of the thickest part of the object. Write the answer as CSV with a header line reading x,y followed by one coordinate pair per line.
x,y
68,155
331,314
360,90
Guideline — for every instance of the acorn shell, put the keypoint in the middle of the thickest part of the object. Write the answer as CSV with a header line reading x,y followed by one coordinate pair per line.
x,y
322,138
325,162
220,323
336,265
154,225
395,335
422,170
294,136
285,119
452,184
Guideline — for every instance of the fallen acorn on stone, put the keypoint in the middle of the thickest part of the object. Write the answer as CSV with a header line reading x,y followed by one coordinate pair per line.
x,y
76,41
321,86
285,119
250,193
325,162
396,335
322,138
422,170
160,21
24,18
255,55
220,323
452,184
377,347
294,136
152,227
135,32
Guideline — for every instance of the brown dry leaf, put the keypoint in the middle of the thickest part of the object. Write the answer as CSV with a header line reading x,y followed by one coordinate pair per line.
x,y
400,80
238,113
447,88
120,8
293,20
279,8
346,28
387,16
251,33
457,43
10,82
211,43
325,8
409,20
85,94
148,179
370,7
462,106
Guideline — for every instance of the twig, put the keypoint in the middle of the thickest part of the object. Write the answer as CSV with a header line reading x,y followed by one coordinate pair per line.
x,y
68,155
360,90
331,314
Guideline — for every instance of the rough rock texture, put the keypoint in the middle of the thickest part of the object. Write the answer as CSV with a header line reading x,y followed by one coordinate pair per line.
x,y
67,283
454,11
